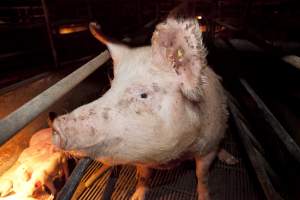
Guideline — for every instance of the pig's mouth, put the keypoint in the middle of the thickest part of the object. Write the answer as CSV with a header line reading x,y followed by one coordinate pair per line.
x,y
76,154
71,154
61,145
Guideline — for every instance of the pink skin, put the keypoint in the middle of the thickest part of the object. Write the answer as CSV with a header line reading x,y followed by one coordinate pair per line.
x,y
36,167
53,163
41,137
164,105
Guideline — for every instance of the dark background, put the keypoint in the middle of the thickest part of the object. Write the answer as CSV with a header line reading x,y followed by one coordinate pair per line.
x,y
25,47
245,39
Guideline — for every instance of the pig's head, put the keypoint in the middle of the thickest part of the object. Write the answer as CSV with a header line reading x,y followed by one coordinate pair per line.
x,y
153,105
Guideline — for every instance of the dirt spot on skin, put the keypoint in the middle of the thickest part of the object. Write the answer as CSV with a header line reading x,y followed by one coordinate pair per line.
x,y
159,107
138,112
107,109
92,112
155,87
82,117
93,131
105,115
124,103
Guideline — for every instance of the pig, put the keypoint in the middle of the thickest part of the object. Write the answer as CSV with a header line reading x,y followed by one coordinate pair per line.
x,y
43,136
165,105
37,166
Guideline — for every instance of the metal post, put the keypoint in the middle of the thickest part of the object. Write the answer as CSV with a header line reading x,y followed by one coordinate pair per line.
x,y
89,9
245,13
139,11
16,120
67,191
54,53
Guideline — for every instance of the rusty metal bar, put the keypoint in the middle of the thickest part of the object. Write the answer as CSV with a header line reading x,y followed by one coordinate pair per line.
x,y
16,120
284,136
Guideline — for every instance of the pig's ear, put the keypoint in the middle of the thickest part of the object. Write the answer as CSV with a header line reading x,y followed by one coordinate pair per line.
x,y
177,44
116,49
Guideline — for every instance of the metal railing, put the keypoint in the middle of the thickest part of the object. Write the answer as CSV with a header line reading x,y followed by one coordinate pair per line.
x,y
18,119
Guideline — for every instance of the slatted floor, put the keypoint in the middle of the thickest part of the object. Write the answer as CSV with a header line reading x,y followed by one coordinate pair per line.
x,y
226,182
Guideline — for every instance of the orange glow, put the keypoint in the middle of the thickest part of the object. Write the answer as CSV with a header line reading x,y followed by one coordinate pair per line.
x,y
71,29
199,17
37,166
203,28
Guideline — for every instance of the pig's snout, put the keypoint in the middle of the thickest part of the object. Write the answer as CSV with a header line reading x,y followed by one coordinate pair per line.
x,y
57,137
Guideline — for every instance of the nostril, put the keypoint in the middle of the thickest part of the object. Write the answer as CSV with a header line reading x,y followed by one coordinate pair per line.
x,y
59,129
54,130
56,140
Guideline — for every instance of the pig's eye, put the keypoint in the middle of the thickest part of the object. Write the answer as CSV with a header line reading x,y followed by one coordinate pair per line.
x,y
144,95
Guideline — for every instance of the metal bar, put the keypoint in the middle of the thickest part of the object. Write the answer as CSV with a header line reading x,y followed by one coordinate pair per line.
x,y
67,191
9,55
255,37
139,15
89,9
54,53
225,24
16,120
257,161
112,181
253,140
284,136
20,83
246,12
292,60
97,175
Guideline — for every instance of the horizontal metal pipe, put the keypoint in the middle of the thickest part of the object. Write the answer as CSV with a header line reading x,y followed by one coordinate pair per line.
x,y
292,60
16,120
